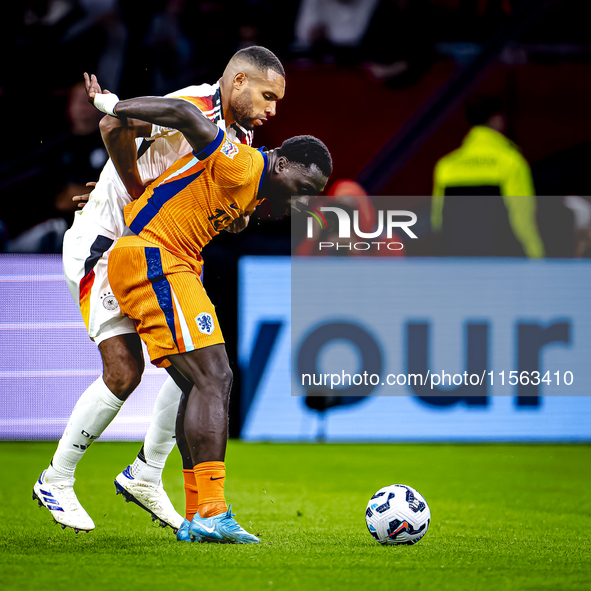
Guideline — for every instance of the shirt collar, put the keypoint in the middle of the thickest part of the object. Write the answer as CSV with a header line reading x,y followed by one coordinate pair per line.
x,y
266,159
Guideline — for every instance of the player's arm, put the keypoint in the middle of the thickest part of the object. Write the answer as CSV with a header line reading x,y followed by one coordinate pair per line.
x,y
168,112
119,135
119,138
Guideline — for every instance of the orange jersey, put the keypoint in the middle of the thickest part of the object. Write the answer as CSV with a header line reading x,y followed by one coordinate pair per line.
x,y
197,197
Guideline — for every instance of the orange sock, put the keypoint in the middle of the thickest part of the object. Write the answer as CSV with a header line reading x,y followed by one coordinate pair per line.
x,y
191,496
210,478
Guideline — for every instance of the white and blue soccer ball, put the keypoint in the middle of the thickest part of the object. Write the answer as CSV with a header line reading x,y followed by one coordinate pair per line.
x,y
397,514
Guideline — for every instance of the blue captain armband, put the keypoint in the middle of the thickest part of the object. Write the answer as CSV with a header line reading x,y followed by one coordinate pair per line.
x,y
213,146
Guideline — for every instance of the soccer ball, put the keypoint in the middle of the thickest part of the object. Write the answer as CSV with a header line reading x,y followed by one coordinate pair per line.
x,y
397,514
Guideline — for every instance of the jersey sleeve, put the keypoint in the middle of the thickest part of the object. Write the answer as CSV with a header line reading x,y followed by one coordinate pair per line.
x,y
231,165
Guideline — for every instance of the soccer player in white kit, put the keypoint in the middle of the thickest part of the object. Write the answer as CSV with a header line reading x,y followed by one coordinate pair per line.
x,y
244,97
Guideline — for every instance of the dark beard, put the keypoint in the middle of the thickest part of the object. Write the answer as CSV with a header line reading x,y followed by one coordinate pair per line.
x,y
242,110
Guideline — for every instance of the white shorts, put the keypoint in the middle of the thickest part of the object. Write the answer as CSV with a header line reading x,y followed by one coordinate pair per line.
x,y
85,257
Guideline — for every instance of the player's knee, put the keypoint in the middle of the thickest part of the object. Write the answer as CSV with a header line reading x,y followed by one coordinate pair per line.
x,y
131,380
221,378
123,364
123,380
226,378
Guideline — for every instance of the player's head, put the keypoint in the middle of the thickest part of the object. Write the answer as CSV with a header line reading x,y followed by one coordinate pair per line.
x,y
255,80
299,168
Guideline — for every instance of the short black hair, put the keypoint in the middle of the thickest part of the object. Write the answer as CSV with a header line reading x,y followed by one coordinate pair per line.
x,y
307,150
480,109
261,58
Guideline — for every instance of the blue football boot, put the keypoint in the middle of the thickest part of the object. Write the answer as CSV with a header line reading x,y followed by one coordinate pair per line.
x,y
182,535
220,529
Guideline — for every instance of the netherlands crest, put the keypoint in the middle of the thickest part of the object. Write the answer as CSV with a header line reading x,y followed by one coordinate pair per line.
x,y
205,323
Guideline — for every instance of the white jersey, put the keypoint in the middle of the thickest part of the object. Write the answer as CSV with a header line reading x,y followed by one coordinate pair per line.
x,y
97,227
155,155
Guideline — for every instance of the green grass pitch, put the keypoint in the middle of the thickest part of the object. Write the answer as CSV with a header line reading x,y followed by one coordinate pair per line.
x,y
503,517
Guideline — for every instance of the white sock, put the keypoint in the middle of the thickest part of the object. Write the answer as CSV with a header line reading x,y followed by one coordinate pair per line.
x,y
160,438
142,471
93,412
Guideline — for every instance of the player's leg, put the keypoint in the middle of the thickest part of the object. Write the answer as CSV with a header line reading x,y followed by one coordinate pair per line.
x,y
191,495
191,492
99,404
209,371
160,438
205,424
123,365
85,258
163,434
141,481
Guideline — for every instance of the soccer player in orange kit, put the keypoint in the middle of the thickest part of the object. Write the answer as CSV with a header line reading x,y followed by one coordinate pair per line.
x,y
155,275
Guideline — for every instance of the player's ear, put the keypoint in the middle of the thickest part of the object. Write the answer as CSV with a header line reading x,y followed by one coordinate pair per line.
x,y
280,164
240,80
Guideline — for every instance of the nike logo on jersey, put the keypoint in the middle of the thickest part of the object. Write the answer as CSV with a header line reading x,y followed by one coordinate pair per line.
x,y
218,478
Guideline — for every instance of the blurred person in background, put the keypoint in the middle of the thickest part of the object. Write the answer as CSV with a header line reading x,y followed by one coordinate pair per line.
x,y
83,154
61,146
392,39
483,194
63,170
333,25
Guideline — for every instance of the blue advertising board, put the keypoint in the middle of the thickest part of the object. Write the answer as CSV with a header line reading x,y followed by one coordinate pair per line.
x,y
520,328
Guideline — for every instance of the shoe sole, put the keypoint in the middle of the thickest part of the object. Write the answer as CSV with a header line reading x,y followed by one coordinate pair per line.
x,y
205,540
199,539
210,541
129,498
63,525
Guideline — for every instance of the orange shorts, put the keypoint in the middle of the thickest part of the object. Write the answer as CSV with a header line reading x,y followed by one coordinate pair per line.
x,y
164,297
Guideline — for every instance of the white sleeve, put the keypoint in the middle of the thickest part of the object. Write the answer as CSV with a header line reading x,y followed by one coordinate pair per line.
x,y
188,91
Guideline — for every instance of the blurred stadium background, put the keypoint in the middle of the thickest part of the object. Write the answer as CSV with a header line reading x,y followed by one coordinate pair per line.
x,y
384,84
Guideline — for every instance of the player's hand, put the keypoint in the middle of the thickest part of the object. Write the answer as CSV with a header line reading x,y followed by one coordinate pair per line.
x,y
92,87
238,224
82,200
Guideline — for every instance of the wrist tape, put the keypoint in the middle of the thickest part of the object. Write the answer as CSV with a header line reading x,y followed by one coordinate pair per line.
x,y
106,103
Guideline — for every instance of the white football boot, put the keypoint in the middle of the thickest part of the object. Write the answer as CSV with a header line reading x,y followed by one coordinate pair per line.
x,y
61,501
149,497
